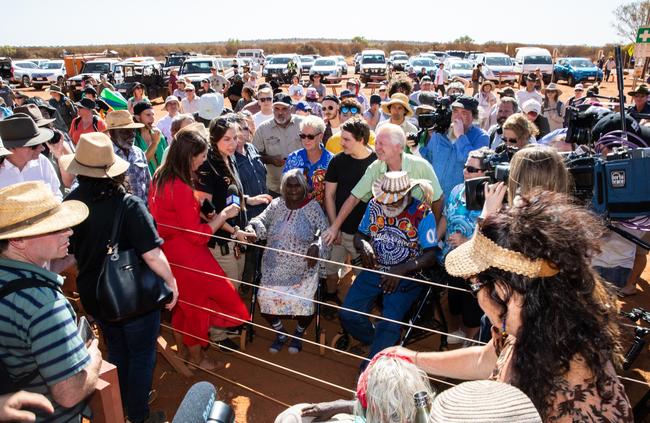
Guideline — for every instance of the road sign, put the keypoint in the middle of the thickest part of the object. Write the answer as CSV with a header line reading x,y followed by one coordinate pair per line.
x,y
642,48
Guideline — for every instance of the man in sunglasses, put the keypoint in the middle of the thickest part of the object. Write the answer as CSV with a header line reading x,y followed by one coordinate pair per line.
x,y
191,102
265,101
331,115
348,109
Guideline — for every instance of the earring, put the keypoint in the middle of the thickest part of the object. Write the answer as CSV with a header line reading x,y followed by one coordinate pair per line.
x,y
503,328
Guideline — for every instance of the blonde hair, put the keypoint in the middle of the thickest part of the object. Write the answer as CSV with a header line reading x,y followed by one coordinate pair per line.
x,y
537,166
521,126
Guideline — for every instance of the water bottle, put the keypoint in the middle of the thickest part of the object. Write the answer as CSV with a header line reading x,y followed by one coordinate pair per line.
x,y
422,407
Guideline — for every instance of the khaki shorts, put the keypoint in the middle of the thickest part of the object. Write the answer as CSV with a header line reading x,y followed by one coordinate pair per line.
x,y
340,254
232,267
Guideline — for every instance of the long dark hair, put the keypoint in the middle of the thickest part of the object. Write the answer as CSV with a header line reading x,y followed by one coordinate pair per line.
x,y
218,128
178,164
103,188
569,314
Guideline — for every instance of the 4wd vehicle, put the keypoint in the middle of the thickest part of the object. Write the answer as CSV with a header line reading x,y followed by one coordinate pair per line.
x,y
22,72
277,67
497,66
327,67
147,74
576,69
306,63
373,66
529,59
398,62
417,63
94,68
52,72
197,68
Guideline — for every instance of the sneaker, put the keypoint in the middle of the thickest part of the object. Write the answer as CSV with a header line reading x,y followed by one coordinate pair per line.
x,y
277,345
296,344
453,340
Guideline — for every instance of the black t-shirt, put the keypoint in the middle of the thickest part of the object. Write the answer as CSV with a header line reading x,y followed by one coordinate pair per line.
x,y
90,238
346,171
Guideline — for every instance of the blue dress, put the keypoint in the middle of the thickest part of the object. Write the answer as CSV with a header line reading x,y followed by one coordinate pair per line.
x,y
314,172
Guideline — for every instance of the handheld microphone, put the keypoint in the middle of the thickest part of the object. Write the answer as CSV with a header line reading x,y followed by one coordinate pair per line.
x,y
233,196
197,404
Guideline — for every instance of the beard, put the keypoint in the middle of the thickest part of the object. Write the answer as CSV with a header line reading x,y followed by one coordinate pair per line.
x,y
394,210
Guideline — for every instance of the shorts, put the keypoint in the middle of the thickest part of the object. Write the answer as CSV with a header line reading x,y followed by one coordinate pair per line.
x,y
617,276
340,253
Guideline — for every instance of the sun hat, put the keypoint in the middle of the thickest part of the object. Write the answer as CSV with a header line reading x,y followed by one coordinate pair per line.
x,y
552,87
397,98
465,102
86,103
20,130
487,82
641,89
3,150
20,94
507,92
579,87
41,104
210,106
181,81
190,86
94,157
532,105
484,401
30,209
531,77
121,119
34,112
481,253
169,99
90,89
282,99
55,89
394,186
375,99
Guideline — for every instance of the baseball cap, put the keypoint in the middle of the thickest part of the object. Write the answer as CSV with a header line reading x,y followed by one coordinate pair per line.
x,y
346,94
303,106
465,102
532,105
282,99
375,99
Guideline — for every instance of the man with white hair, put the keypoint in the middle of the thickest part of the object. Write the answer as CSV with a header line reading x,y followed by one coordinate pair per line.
x,y
389,147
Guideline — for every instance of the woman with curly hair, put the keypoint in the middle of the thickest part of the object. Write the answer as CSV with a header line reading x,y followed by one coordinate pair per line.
x,y
555,334
518,131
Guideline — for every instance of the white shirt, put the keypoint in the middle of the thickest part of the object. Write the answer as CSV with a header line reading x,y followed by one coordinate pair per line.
x,y
35,170
523,96
165,126
190,107
296,90
260,118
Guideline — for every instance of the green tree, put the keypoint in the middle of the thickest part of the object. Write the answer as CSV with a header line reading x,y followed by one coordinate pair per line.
x,y
465,40
7,51
232,45
629,17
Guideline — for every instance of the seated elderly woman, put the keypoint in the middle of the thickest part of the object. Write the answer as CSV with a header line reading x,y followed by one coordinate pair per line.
x,y
518,131
312,160
291,223
556,332
384,395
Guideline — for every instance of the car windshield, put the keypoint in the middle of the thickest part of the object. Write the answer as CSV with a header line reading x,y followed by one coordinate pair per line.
x,y
373,58
96,67
51,65
422,62
196,67
278,60
306,59
498,61
581,63
537,60
461,65
174,61
401,57
26,65
324,62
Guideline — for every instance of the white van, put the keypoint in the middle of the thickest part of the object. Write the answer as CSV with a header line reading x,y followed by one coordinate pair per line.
x,y
529,59
373,65
255,55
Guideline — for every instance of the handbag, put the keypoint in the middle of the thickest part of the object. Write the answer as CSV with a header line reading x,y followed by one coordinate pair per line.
x,y
127,287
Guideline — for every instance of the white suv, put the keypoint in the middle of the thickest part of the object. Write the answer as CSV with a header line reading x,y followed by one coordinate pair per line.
x,y
51,72
23,70
497,66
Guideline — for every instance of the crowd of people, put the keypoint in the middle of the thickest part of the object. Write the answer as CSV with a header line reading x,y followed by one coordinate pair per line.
x,y
313,175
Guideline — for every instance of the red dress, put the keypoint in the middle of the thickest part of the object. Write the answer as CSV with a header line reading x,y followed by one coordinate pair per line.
x,y
176,205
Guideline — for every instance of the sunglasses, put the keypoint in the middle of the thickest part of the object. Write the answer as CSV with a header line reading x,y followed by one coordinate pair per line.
x,y
472,169
346,110
308,136
187,90
329,108
265,99
510,140
476,286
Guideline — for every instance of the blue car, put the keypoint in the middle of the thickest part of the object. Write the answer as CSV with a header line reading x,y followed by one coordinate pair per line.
x,y
576,69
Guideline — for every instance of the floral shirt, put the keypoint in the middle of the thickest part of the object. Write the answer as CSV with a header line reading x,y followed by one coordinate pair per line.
x,y
314,172
459,219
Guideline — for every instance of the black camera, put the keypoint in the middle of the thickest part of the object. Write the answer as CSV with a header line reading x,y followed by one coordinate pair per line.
x,y
497,168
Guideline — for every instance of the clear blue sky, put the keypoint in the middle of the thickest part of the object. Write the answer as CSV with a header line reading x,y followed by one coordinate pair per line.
x,y
77,22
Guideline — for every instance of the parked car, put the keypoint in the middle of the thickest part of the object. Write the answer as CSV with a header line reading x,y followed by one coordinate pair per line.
x,y
576,69
529,59
52,72
149,74
343,64
197,68
328,67
497,66
23,71
174,60
357,63
373,66
276,67
459,68
94,68
306,62
398,62
440,55
416,64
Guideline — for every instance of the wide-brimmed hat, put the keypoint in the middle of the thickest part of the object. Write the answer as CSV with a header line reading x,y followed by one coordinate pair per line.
x,y
94,157
641,89
20,130
34,112
3,150
397,98
481,253
487,82
169,99
465,102
394,186
484,401
30,209
55,89
210,106
507,92
86,103
121,119
552,87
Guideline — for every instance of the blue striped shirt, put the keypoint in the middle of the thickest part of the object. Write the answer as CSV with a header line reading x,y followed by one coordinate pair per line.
x,y
38,330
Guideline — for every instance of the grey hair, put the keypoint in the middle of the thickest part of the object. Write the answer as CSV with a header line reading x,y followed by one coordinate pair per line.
x,y
313,122
395,132
178,120
294,173
511,100
392,382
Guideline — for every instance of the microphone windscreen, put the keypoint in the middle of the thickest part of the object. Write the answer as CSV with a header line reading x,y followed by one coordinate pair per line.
x,y
197,404
233,196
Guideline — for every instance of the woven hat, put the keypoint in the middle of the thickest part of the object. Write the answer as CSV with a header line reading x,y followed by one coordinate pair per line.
x,y
484,401
34,112
488,82
393,187
20,130
170,99
210,106
30,209
481,253
94,157
121,119
397,98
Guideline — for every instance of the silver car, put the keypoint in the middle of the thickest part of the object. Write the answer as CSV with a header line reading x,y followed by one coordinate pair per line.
x,y
23,70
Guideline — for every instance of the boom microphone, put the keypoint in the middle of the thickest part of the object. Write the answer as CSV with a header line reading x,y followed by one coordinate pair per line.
x,y
200,406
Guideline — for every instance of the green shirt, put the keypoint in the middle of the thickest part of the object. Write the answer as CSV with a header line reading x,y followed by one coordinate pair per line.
x,y
416,167
160,150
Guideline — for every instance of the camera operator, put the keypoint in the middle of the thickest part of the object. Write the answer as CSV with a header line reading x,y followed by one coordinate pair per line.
x,y
640,98
447,152
507,107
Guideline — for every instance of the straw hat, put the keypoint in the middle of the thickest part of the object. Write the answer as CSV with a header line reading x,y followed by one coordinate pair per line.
x,y
488,82
484,401
121,119
397,98
393,187
552,87
94,157
30,209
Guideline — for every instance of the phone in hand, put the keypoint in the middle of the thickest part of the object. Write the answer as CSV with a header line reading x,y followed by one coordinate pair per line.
x,y
85,330
207,208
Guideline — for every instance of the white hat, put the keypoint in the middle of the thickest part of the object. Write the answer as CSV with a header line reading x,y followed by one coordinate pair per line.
x,y
210,106
532,105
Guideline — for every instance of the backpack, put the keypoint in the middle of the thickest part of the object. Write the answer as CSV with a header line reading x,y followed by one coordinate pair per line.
x,y
7,383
